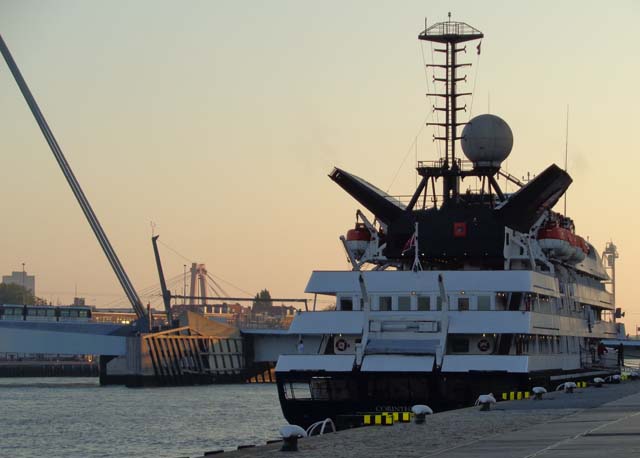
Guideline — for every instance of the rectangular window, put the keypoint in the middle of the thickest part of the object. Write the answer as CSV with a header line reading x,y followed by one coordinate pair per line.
x,y
484,303
64,312
82,313
424,303
384,303
404,303
346,303
438,303
51,312
463,304
320,388
297,391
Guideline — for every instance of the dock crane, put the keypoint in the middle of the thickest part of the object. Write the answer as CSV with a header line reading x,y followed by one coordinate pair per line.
x,y
123,278
166,294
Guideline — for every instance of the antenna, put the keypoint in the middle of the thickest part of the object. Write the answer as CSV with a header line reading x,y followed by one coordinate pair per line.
x,y
566,156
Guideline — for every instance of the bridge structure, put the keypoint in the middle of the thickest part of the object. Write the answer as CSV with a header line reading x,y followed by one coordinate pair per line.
x,y
198,351
191,350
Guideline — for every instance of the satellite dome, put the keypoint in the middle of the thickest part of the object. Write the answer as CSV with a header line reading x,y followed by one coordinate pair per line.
x,y
487,140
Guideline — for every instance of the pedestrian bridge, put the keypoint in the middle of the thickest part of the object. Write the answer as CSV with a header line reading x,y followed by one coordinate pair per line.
x,y
63,338
86,338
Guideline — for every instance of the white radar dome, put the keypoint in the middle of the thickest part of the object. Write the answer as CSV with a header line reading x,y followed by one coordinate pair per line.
x,y
487,140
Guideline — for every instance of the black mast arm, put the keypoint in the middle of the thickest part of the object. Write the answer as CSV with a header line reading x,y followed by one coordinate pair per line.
x,y
416,195
496,187
378,202
525,206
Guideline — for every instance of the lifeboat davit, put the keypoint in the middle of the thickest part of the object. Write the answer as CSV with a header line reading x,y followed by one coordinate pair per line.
x,y
358,240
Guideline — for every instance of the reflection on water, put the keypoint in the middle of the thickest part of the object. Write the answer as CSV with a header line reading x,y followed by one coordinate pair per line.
x,y
75,417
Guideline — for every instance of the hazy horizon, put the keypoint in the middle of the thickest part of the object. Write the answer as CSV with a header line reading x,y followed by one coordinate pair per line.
x,y
219,122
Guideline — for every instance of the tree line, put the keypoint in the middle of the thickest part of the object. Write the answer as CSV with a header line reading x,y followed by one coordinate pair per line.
x,y
11,293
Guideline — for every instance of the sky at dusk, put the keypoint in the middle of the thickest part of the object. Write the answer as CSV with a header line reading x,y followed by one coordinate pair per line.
x,y
220,120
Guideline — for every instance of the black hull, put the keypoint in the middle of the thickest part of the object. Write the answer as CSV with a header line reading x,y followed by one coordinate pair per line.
x,y
396,392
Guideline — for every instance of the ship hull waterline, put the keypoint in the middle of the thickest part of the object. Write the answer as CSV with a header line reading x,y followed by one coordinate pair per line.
x,y
373,392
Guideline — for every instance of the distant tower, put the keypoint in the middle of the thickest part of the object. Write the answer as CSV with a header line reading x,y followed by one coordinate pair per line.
x,y
609,256
198,283
21,278
450,33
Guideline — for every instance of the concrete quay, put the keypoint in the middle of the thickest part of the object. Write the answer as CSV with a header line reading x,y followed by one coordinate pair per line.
x,y
592,422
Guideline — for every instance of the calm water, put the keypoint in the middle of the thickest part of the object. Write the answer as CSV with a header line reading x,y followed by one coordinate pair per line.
x,y
75,417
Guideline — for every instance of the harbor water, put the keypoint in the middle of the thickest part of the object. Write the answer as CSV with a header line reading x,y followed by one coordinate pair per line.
x,y
76,417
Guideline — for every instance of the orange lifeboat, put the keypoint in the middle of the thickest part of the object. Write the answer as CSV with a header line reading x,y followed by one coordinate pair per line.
x,y
360,232
556,241
560,242
580,249
358,239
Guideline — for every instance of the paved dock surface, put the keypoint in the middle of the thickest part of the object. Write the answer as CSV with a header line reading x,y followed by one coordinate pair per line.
x,y
592,422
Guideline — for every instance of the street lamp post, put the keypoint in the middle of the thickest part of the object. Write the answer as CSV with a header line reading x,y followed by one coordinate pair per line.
x,y
24,291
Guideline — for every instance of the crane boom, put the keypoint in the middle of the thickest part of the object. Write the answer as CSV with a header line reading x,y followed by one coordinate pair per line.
x,y
109,252
166,294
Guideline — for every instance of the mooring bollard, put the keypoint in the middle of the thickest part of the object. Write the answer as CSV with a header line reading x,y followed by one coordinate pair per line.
x,y
569,387
485,401
420,411
290,435
538,392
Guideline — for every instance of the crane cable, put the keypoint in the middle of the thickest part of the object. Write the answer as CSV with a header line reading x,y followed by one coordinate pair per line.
x,y
475,80
414,144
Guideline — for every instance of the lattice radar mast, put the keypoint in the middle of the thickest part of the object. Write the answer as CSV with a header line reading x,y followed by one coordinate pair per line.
x,y
450,34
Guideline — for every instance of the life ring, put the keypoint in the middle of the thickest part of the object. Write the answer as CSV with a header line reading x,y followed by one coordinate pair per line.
x,y
484,345
341,345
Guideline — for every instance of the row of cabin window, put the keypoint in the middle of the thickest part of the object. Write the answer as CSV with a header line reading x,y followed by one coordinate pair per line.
x,y
418,303
45,312
526,344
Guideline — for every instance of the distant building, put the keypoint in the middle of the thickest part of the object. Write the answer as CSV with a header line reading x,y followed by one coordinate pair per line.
x,y
123,316
257,316
22,279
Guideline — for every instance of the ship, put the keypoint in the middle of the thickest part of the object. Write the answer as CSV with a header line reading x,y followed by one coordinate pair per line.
x,y
453,293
